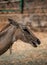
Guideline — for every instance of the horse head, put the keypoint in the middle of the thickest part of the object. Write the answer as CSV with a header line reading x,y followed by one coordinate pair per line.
x,y
24,34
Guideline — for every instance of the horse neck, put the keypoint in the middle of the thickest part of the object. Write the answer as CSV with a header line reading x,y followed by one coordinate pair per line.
x,y
6,40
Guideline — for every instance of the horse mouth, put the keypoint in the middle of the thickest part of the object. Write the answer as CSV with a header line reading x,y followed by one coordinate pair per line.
x,y
36,43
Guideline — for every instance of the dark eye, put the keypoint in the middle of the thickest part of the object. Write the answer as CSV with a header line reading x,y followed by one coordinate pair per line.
x,y
26,31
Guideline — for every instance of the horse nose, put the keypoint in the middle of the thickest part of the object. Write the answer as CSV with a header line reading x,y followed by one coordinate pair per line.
x,y
38,41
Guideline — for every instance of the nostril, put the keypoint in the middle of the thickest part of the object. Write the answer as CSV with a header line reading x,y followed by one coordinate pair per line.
x,y
38,41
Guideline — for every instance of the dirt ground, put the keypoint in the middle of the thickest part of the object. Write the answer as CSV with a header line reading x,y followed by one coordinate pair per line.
x,y
25,54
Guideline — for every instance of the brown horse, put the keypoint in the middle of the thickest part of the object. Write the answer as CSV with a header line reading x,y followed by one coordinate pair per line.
x,y
14,32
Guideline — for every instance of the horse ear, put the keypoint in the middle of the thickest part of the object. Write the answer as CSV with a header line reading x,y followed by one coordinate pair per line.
x,y
11,21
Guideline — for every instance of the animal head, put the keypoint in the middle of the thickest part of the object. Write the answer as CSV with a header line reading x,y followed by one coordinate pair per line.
x,y
24,34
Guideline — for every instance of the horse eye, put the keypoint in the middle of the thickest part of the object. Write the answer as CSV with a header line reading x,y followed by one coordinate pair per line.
x,y
26,31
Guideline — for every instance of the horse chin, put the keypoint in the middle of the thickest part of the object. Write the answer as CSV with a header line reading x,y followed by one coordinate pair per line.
x,y
34,44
